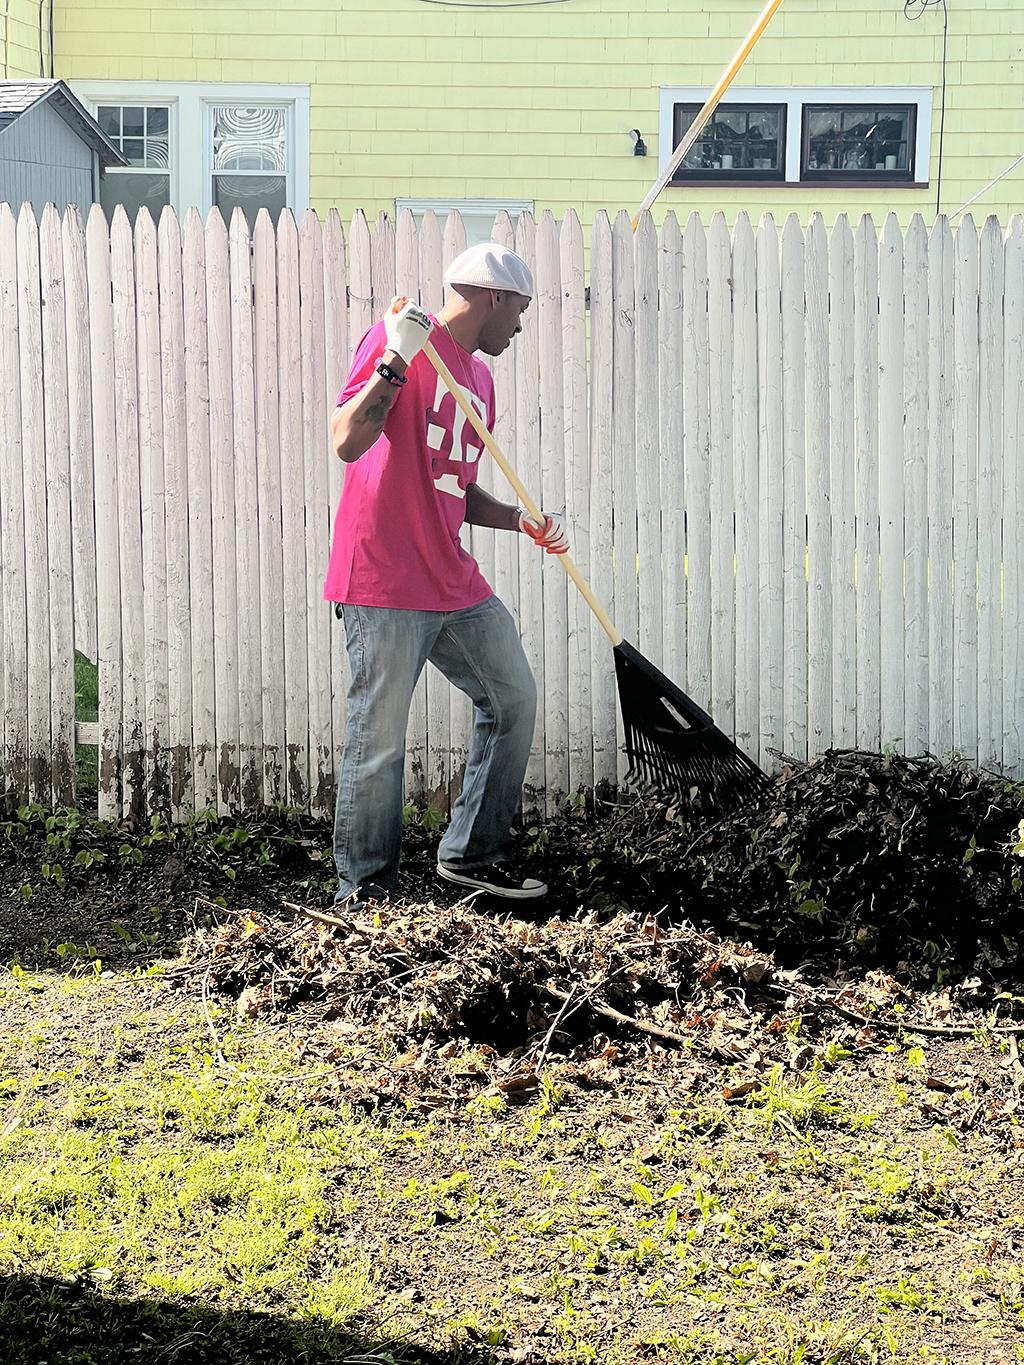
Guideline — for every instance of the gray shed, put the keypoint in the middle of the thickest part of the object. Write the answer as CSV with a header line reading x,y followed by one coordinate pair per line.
x,y
51,148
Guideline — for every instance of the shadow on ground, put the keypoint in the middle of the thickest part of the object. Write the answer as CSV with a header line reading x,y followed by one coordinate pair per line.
x,y
64,1323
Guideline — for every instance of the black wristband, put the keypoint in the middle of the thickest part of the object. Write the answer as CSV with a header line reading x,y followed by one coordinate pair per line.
x,y
386,372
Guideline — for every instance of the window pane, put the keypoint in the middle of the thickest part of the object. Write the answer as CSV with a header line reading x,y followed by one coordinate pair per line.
x,y
250,193
141,134
859,139
133,149
108,116
133,190
134,121
248,138
736,138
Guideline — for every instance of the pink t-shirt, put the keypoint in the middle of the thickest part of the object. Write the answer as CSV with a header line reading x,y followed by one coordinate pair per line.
x,y
396,535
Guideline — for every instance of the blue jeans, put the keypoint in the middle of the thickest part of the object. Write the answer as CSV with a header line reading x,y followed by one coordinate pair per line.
x,y
478,650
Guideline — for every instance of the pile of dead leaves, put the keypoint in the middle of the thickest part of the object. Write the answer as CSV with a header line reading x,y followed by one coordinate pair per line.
x,y
856,860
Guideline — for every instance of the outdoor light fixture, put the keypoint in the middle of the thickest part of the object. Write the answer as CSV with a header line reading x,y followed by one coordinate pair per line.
x,y
640,146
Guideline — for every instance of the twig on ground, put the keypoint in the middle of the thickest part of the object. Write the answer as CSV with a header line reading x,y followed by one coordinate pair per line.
x,y
906,1025
542,1055
317,915
666,1035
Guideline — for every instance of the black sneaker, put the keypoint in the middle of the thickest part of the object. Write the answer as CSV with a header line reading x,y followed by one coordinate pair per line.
x,y
357,901
496,879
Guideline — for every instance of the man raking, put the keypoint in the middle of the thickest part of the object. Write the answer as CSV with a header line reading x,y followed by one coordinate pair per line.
x,y
409,592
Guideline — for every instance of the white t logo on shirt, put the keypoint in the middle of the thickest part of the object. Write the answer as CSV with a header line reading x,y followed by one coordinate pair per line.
x,y
452,441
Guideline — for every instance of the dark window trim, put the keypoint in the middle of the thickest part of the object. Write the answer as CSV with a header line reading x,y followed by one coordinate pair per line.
x,y
844,176
735,175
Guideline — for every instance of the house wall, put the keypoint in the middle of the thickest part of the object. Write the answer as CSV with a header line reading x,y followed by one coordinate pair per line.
x,y
21,52
42,160
416,99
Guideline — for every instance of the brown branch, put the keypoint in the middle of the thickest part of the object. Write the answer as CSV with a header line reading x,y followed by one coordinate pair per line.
x,y
606,1011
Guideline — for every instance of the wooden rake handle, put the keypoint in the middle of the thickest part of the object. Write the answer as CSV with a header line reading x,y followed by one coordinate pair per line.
x,y
471,415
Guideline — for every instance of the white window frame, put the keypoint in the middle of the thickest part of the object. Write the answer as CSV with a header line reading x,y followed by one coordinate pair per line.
x,y
191,125
475,208
794,100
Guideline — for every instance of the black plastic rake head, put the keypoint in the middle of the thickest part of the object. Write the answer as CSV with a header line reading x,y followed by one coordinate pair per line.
x,y
674,747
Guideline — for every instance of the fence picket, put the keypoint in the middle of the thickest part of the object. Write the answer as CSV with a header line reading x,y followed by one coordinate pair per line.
x,y
222,470
965,489
649,510
696,459
59,758
269,502
314,438
769,465
126,430
37,599
721,476
940,490
298,779
178,497
602,453
819,520
1013,498
151,485
625,596
15,606
199,477
83,524
915,479
577,497
890,480
991,287
247,535
552,491
843,485
865,404
744,431
670,446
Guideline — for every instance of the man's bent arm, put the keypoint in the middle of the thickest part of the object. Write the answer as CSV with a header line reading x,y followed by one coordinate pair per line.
x,y
355,425
484,510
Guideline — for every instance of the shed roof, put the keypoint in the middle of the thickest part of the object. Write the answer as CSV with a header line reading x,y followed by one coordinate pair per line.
x,y
18,97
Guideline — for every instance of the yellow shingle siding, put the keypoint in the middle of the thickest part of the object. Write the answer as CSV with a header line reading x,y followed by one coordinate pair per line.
x,y
420,100
20,30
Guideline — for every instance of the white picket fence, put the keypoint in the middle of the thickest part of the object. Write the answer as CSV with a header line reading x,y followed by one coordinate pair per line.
x,y
791,465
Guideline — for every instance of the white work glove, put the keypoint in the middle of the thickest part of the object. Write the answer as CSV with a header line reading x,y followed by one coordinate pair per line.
x,y
549,535
407,328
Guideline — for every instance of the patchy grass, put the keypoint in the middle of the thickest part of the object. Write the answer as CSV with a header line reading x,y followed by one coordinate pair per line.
x,y
245,1211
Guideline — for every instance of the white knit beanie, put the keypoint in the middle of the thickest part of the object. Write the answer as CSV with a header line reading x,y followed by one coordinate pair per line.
x,y
490,266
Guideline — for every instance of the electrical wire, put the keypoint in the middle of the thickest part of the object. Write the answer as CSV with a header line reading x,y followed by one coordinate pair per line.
x,y
914,10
